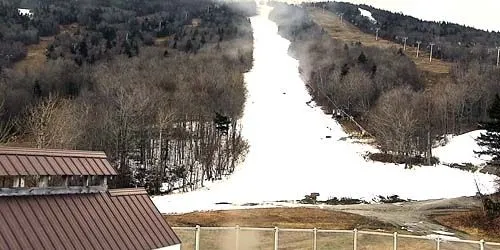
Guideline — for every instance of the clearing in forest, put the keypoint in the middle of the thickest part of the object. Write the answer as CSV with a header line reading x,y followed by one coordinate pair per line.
x,y
35,58
36,55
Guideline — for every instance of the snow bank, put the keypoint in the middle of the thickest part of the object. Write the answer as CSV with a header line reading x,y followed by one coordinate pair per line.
x,y
296,149
460,149
367,14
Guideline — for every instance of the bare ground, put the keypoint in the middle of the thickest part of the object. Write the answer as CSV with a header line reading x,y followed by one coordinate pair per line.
x,y
416,217
413,217
406,218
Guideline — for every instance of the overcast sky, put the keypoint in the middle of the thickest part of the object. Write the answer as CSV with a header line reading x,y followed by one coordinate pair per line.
x,y
483,14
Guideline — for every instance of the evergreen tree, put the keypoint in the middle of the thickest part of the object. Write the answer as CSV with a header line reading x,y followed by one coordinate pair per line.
x,y
362,58
491,138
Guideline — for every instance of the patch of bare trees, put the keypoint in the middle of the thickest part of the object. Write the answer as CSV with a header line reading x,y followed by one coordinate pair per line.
x,y
54,123
170,120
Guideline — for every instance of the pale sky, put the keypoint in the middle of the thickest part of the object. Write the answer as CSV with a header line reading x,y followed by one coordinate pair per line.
x,y
482,14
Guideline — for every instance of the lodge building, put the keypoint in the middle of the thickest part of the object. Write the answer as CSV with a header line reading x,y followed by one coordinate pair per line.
x,y
55,199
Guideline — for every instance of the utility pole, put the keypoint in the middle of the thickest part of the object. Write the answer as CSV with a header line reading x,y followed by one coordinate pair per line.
x,y
376,34
418,47
432,46
404,46
498,56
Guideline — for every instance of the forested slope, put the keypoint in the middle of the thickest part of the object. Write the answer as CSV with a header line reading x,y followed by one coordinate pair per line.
x,y
453,42
157,85
382,89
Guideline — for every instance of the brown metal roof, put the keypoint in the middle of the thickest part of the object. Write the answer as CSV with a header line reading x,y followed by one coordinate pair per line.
x,y
22,161
128,220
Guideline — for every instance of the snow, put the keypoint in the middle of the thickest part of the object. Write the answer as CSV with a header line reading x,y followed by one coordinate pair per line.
x,y
25,12
443,233
367,14
442,237
460,149
290,156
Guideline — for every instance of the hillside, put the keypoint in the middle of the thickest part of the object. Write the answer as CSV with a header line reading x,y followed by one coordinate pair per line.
x,y
295,149
157,85
453,42
349,33
358,78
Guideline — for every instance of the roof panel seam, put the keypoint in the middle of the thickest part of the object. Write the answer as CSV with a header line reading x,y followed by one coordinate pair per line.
x,y
52,226
29,215
127,231
99,211
81,221
149,222
71,223
95,229
133,214
159,222
124,214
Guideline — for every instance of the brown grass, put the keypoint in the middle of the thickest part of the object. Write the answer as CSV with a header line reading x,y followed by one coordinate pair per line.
x,y
350,33
35,59
269,218
474,223
291,218
280,217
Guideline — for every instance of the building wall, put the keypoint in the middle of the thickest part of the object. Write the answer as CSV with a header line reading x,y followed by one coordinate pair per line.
x,y
174,247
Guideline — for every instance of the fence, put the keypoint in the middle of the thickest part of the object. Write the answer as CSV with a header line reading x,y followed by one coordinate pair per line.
x,y
242,238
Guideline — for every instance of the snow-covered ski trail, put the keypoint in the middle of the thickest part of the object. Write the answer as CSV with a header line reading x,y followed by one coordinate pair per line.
x,y
290,155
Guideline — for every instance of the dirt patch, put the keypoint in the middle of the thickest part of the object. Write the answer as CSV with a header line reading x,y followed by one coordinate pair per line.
x,y
418,216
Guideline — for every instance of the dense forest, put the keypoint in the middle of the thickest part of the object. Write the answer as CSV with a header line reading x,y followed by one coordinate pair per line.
x,y
157,85
454,42
383,90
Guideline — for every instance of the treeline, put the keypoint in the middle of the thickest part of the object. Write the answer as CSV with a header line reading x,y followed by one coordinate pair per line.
x,y
163,114
454,42
384,91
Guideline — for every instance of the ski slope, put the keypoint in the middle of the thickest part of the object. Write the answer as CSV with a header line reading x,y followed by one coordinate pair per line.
x,y
367,14
460,149
478,14
290,155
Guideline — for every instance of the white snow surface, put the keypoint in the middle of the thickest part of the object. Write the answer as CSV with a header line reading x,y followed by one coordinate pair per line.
x,y
25,12
367,14
442,237
460,149
290,156
443,233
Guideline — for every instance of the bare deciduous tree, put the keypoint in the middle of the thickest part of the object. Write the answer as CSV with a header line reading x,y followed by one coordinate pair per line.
x,y
54,122
5,126
395,122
